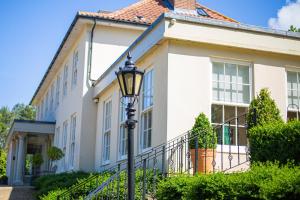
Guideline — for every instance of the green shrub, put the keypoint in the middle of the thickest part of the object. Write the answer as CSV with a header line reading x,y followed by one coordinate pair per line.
x,y
45,184
206,136
37,159
275,141
263,110
55,153
2,162
269,181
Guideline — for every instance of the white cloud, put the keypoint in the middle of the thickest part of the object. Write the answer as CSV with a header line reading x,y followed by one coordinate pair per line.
x,y
288,15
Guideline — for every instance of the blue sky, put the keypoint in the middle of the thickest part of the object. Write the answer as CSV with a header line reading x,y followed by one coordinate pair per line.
x,y
31,31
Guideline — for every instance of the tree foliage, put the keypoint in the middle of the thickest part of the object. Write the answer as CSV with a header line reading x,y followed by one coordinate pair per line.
x,y
2,162
294,29
263,110
19,111
37,159
204,130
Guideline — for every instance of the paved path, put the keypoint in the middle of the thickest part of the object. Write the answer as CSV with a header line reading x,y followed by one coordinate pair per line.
x,y
16,193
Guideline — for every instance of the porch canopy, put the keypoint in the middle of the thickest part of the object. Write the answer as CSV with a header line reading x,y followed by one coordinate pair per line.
x,y
27,137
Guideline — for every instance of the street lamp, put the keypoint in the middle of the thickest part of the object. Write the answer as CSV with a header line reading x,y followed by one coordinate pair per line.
x,y
130,81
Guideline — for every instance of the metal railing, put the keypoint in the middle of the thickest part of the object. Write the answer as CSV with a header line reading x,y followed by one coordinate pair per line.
x,y
181,155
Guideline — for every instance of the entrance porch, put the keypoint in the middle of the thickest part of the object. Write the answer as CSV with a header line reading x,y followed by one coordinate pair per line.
x,y
25,139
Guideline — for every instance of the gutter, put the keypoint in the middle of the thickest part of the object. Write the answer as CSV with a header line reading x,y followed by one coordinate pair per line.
x,y
76,18
90,53
232,25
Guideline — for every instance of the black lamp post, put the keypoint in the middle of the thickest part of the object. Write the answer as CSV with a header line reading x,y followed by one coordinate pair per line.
x,y
130,81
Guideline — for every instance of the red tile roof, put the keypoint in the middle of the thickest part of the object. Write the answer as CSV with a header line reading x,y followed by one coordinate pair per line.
x,y
147,11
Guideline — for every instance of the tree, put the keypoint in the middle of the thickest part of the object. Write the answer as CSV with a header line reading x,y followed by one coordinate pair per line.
x,y
294,29
19,111
2,162
54,154
263,110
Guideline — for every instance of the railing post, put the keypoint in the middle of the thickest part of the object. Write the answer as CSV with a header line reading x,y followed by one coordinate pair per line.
x,y
144,179
163,161
196,155
118,181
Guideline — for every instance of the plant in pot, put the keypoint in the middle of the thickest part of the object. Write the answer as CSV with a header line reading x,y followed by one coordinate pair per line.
x,y
37,161
54,154
203,134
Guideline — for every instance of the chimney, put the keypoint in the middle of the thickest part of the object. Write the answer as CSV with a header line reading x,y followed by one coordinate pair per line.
x,y
184,4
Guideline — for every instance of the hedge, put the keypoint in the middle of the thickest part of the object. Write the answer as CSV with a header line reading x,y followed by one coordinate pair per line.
x,y
276,141
49,187
269,181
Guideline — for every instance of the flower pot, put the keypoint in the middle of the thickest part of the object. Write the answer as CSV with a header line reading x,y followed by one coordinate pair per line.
x,y
205,159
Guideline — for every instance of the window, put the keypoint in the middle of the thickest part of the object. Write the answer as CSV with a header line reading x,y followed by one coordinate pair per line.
x,y
46,104
42,110
57,90
74,69
231,96
123,130
146,113
202,12
65,85
107,131
64,144
293,91
231,83
234,131
51,97
56,137
72,140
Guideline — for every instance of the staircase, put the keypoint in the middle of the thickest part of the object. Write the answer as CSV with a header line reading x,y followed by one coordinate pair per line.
x,y
170,159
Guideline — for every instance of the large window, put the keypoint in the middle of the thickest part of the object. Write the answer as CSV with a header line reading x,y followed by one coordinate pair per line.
x,y
231,83
293,91
65,85
57,91
123,130
146,113
46,105
51,97
107,131
57,137
74,69
64,143
72,140
231,96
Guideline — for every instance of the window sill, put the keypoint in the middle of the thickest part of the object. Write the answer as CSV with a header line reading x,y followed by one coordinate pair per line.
x,y
233,149
104,163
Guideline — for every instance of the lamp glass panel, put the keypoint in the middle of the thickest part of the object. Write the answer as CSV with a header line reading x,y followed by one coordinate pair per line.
x,y
121,82
129,83
138,82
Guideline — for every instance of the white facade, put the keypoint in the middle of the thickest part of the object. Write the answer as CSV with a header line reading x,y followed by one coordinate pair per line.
x,y
191,66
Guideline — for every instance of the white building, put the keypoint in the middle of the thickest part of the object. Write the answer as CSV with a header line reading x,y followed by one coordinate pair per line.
x,y
196,60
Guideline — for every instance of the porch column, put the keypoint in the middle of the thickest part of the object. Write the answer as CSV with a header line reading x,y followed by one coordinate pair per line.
x,y
20,160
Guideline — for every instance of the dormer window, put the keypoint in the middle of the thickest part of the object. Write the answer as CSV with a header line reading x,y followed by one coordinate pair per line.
x,y
202,12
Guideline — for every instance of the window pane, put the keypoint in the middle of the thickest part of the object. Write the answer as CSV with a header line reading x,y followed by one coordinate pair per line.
x,y
292,80
230,73
229,114
216,113
292,115
243,74
230,92
243,94
218,72
241,111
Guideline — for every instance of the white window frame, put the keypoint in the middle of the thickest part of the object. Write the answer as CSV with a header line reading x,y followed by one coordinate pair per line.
x,y
107,117
72,141
65,81
52,97
122,147
75,68
47,105
146,111
57,90
242,149
64,143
